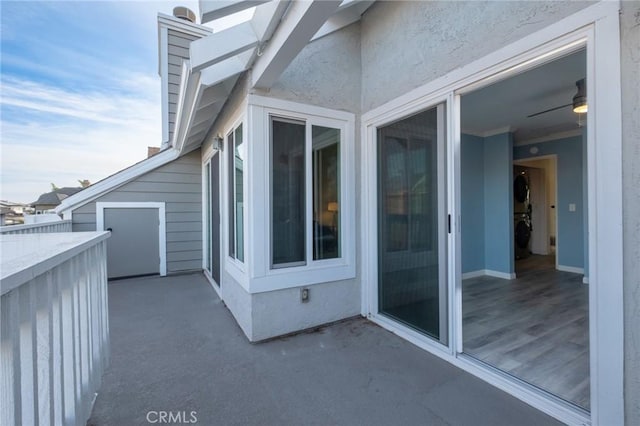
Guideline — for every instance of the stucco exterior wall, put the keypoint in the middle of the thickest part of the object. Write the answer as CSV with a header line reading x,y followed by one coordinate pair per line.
x,y
326,73
630,67
280,312
406,44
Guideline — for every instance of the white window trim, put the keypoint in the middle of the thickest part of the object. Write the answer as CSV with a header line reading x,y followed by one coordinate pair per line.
x,y
598,27
235,268
162,232
263,277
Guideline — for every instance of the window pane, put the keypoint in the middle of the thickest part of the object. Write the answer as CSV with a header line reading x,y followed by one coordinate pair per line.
x,y
231,203
411,284
240,155
326,193
287,192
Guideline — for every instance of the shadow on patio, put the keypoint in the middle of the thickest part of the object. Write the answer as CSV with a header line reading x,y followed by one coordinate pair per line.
x,y
175,347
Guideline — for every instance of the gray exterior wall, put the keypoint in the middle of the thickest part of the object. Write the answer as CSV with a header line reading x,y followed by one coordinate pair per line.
x,y
326,73
630,65
178,51
410,43
179,185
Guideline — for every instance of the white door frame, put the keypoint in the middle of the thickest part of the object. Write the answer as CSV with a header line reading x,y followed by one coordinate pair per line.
x,y
207,206
162,231
524,162
597,28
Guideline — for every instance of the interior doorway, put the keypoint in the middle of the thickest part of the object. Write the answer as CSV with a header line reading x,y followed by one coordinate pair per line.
x,y
525,309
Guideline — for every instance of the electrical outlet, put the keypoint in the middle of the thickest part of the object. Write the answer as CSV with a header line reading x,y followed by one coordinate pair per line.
x,y
572,207
304,295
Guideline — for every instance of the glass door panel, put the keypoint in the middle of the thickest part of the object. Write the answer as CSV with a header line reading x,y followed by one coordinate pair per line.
x,y
411,223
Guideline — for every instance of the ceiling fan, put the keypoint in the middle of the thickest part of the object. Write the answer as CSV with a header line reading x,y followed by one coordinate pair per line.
x,y
579,102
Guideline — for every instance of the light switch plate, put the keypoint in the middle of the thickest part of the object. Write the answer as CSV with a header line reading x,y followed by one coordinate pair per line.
x,y
572,207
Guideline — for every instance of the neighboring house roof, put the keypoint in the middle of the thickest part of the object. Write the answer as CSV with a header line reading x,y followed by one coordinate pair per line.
x,y
54,198
118,179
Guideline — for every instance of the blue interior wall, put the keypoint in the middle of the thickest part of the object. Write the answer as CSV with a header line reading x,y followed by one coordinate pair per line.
x,y
472,202
498,203
571,225
487,203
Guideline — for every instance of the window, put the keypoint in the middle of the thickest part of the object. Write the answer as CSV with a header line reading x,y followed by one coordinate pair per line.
x,y
326,192
237,155
295,190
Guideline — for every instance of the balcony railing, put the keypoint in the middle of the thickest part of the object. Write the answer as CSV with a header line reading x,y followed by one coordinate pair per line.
x,y
37,228
54,331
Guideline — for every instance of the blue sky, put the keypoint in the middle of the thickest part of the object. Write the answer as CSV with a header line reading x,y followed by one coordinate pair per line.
x,y
80,91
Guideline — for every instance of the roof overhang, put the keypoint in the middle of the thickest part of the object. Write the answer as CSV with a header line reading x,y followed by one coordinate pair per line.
x,y
277,32
116,180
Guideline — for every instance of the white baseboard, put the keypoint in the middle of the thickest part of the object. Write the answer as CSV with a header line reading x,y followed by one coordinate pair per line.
x,y
570,269
498,274
488,273
473,274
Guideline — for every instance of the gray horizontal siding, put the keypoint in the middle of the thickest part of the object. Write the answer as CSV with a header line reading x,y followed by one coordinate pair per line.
x,y
179,185
187,265
178,50
178,246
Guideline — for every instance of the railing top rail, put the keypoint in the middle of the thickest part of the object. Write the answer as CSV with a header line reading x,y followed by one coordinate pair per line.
x,y
25,256
14,228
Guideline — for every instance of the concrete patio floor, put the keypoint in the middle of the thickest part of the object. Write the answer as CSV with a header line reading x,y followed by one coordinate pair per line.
x,y
175,347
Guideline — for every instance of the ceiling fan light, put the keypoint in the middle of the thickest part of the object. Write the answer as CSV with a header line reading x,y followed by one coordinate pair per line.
x,y
580,99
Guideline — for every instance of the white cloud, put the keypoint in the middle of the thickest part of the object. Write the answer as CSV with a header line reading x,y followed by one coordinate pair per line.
x,y
53,135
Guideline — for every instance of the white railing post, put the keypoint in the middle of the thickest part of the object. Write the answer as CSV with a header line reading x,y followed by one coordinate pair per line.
x,y
54,330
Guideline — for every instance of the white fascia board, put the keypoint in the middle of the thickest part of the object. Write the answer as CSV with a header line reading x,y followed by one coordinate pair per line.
x,y
218,73
214,9
114,181
187,114
301,22
186,88
350,11
217,47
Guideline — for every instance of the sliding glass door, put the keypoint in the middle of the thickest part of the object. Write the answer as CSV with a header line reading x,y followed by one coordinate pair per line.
x,y
412,225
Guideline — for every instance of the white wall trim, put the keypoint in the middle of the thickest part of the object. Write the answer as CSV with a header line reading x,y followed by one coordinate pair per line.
x,y
473,274
597,27
489,273
572,269
499,274
162,232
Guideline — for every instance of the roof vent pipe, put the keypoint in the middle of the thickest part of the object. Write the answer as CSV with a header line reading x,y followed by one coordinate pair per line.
x,y
185,13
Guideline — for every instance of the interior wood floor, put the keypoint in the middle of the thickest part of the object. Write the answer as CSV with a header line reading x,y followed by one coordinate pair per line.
x,y
535,327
